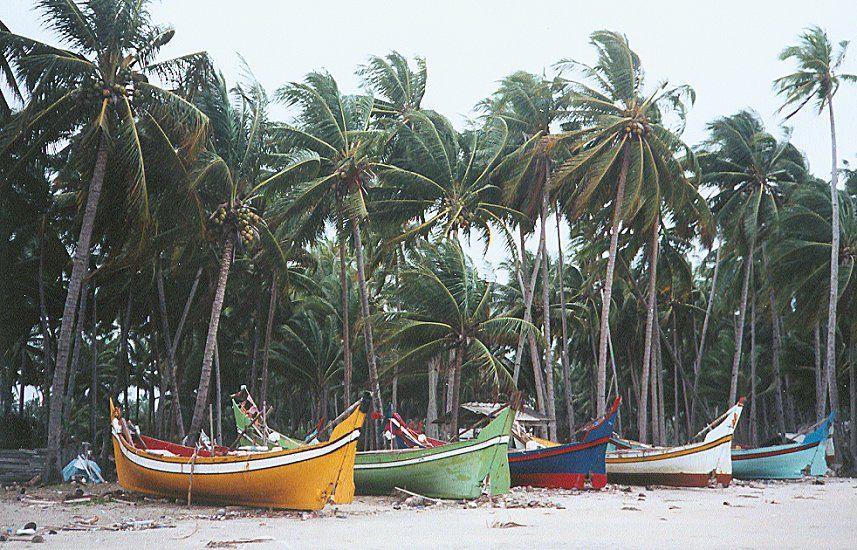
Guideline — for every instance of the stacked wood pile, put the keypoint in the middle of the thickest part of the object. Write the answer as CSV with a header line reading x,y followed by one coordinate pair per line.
x,y
21,464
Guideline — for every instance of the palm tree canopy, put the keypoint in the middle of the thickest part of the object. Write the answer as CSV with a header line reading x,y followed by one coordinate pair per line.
x,y
337,128
817,78
751,171
618,117
398,88
97,84
446,304
437,177
531,106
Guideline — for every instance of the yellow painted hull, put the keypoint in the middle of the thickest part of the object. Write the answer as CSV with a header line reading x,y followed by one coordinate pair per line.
x,y
301,479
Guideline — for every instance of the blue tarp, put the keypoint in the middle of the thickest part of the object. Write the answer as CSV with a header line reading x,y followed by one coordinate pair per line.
x,y
81,467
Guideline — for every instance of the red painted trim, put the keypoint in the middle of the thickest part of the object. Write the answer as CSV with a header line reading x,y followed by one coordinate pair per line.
x,y
672,480
523,456
777,452
560,481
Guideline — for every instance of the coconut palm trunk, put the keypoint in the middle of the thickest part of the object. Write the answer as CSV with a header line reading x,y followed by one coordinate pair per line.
x,y
820,381
346,327
651,297
697,364
739,329
754,419
601,374
852,395
775,360
210,340
43,308
566,369
80,264
546,317
431,412
830,358
269,327
93,383
75,355
456,391
375,388
170,345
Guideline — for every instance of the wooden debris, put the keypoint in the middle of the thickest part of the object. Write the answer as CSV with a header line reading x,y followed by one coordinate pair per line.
x,y
506,525
235,542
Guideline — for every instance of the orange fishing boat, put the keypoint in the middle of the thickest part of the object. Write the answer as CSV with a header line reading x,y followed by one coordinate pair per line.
x,y
300,479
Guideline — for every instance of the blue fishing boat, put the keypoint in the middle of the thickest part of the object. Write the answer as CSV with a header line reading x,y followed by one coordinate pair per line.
x,y
575,465
787,461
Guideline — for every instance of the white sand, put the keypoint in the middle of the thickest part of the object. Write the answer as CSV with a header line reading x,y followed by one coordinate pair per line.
x,y
779,514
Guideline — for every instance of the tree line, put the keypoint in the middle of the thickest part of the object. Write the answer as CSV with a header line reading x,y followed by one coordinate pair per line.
x,y
166,240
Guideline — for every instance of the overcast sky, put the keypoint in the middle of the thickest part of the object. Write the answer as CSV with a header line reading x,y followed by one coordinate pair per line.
x,y
726,50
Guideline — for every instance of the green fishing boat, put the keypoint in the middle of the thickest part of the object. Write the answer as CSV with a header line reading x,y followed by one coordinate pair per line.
x,y
455,470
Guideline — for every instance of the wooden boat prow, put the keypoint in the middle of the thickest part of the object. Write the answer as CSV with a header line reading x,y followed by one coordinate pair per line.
x,y
301,479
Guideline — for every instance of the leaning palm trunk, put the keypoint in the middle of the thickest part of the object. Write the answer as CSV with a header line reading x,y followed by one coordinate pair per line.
x,y
566,371
431,412
80,264
269,327
601,374
75,355
852,401
754,419
739,330
456,391
549,378
210,341
830,363
367,324
697,365
820,383
343,296
775,359
650,317
171,357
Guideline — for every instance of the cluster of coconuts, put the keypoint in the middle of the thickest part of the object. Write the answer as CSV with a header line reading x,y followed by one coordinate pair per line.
x,y
242,219
636,128
96,90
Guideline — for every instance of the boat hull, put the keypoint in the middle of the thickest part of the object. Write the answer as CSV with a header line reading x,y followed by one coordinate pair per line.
x,y
456,470
300,479
789,461
703,464
578,465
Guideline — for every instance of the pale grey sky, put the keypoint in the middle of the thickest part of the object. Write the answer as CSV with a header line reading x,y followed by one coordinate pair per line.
x,y
726,50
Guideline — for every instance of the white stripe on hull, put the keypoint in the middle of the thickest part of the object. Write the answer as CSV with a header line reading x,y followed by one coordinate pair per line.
x,y
234,467
429,458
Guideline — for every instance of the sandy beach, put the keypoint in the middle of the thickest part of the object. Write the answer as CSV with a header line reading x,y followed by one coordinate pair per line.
x,y
746,515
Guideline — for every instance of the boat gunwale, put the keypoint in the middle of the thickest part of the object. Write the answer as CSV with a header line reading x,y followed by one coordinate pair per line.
x,y
425,455
652,454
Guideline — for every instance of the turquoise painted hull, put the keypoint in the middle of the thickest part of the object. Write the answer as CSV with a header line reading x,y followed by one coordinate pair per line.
x,y
789,461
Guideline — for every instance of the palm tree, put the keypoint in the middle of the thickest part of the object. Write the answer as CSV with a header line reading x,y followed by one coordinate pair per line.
x,y
530,105
439,179
752,173
337,128
623,143
234,172
802,253
95,93
817,79
398,88
447,306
